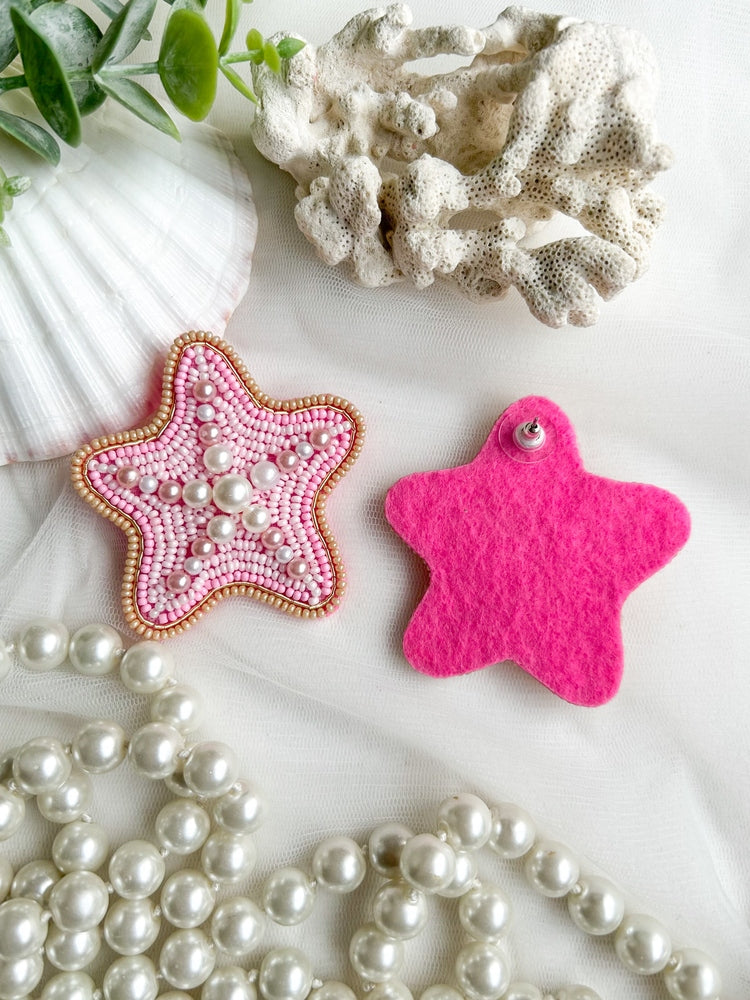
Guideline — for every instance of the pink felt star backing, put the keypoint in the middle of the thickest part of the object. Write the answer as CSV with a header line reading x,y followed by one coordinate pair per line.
x,y
531,557
223,493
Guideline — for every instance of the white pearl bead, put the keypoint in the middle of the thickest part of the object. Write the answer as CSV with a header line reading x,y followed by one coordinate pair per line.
x,y
136,869
339,865
78,901
264,475
441,992
211,769
482,971
485,912
131,978
226,858
131,926
228,983
513,830
41,765
237,926
95,650
466,820
393,989
284,554
464,876
256,518
333,990
80,846
12,812
187,959
385,846
68,802
196,493
178,705
182,827
577,992
375,956
523,991
42,644
19,978
193,565
304,449
69,986
99,746
551,868
400,910
241,810
642,944
218,458
596,906
232,493
34,881
285,974
22,929
288,896
148,485
146,667
154,748
221,529
175,995
6,877
691,975
72,952
187,898
428,863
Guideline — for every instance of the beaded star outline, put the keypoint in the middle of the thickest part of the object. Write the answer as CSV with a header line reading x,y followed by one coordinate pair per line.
x,y
223,492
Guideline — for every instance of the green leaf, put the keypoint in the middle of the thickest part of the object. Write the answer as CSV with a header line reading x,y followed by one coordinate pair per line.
x,y
124,33
271,57
254,40
17,185
138,100
8,47
289,47
238,83
231,21
74,38
109,7
32,136
188,64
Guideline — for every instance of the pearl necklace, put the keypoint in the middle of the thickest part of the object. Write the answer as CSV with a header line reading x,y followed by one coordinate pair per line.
x,y
60,907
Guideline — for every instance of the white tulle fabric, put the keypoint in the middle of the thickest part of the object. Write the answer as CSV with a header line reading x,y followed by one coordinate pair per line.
x,y
327,716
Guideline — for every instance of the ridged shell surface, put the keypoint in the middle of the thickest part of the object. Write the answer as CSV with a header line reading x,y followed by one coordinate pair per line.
x,y
131,240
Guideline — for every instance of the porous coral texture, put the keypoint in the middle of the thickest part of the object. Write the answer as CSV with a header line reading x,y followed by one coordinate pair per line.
x,y
409,175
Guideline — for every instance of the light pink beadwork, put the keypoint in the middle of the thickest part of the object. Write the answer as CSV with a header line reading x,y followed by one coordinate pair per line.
x,y
122,475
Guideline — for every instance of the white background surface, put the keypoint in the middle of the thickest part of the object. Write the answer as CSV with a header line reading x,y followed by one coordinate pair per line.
x,y
329,719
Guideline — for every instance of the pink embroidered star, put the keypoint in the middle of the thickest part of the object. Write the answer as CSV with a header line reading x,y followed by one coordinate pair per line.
x,y
531,557
223,493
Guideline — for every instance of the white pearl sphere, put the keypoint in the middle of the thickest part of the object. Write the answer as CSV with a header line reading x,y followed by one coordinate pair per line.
x,y
131,978
428,863
95,649
523,991
400,910
339,864
288,896
256,518
485,912
187,959
22,929
69,801
304,449
692,975
642,944
577,992
69,986
19,978
41,765
182,827
131,926
331,989
482,971
285,974
178,705
513,830
146,667
466,820
441,991
42,644
148,484
211,768
80,846
7,879
385,846
375,956
264,475
154,748
228,983
393,989
79,901
196,493
72,952
136,869
232,493
226,858
221,529
187,898
551,868
241,809
237,926
218,458
596,906
464,876
34,881
99,746
12,812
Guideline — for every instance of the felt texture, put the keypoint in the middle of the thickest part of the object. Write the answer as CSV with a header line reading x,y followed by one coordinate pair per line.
x,y
531,558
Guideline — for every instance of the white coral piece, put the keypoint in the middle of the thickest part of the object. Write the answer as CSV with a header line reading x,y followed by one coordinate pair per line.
x,y
408,175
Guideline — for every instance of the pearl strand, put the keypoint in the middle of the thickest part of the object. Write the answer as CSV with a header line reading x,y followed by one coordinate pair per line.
x,y
57,907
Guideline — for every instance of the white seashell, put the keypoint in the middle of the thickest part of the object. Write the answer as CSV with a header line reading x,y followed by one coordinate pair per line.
x,y
133,239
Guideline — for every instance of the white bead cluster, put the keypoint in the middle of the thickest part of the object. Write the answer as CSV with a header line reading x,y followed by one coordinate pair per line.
x,y
60,909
